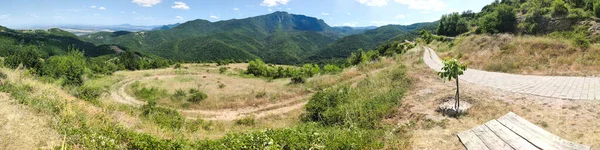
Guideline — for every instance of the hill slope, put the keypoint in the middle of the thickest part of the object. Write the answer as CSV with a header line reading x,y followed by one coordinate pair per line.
x,y
48,42
279,37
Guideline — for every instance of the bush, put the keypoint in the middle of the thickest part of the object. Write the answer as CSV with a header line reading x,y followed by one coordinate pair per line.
x,y
247,121
29,58
559,8
178,95
358,57
298,79
197,97
164,117
501,20
329,68
223,70
88,93
71,67
177,66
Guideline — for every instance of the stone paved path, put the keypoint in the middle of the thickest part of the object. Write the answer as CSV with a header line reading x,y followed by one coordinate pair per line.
x,y
574,88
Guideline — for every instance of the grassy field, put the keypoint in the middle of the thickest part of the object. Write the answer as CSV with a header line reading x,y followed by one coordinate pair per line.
x,y
524,54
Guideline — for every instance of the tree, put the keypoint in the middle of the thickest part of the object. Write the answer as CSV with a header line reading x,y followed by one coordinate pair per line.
x,y
502,19
451,70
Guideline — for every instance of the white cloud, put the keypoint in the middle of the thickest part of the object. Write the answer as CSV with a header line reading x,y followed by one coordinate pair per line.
x,y
214,17
178,18
123,12
325,14
272,3
180,5
270,9
400,16
92,6
429,5
34,15
134,12
373,2
289,8
349,13
146,3
102,8
236,9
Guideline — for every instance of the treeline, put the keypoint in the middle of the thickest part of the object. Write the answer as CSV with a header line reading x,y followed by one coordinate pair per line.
x,y
501,16
298,74
72,67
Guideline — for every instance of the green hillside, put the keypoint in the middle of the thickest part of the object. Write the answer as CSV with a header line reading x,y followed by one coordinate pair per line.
x,y
279,37
371,39
47,42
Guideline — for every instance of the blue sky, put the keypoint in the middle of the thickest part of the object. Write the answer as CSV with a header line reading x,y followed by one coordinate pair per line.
x,y
18,13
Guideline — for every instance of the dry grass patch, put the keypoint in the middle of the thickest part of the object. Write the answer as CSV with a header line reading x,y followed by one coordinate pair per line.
x,y
524,55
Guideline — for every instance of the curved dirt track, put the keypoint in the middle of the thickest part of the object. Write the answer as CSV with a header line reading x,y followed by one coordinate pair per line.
x,y
119,94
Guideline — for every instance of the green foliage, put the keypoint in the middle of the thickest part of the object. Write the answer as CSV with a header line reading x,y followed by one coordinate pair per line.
x,y
298,79
358,57
247,121
197,97
178,95
559,8
363,106
329,68
581,41
177,66
452,25
501,20
164,117
88,93
259,69
29,58
223,70
452,69
224,62
71,67
597,9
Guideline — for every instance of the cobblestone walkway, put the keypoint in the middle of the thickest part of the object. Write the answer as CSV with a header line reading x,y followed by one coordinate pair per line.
x,y
574,88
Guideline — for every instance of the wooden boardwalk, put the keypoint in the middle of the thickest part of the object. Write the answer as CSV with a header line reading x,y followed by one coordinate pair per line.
x,y
513,132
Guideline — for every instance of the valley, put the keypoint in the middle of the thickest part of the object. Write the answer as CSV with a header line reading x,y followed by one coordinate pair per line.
x,y
285,74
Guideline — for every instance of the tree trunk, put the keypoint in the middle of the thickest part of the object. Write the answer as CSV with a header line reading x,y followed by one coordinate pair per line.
x,y
457,105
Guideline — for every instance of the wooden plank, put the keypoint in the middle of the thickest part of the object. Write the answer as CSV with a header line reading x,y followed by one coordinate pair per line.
x,y
508,136
569,144
536,135
471,141
491,140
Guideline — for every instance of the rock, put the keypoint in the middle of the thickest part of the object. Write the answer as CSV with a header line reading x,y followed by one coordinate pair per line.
x,y
447,108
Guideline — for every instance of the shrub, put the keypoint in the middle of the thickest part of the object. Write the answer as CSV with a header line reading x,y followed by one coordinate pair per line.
x,y
71,67
177,66
358,57
3,75
197,97
247,121
164,117
88,93
29,58
559,8
223,70
221,85
329,68
581,41
178,95
298,79
152,93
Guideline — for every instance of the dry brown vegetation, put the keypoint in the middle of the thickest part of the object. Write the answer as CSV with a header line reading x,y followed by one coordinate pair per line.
x,y
572,120
524,55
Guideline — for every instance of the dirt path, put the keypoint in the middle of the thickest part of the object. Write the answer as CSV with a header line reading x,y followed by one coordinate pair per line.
x,y
120,95
20,128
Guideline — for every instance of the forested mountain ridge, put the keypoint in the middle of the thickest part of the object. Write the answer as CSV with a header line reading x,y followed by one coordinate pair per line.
x,y
278,37
47,42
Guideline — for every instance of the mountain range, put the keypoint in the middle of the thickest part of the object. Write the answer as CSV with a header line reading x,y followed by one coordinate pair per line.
x,y
278,37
